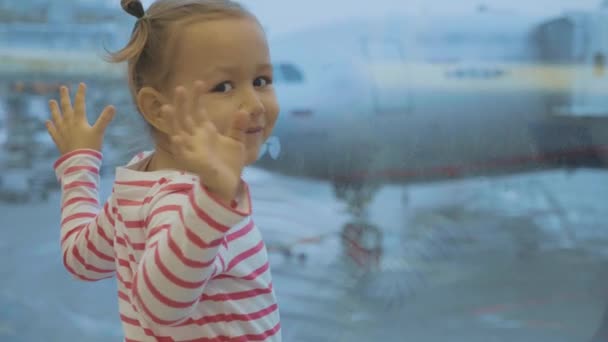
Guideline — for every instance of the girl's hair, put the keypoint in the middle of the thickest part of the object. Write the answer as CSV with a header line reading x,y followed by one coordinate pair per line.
x,y
148,52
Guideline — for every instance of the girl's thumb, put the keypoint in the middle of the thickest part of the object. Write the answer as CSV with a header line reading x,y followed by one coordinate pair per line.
x,y
105,118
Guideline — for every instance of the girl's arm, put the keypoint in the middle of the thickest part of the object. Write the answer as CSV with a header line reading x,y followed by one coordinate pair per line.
x,y
185,227
87,229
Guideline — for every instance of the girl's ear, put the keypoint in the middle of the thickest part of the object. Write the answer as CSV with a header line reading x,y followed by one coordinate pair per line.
x,y
150,102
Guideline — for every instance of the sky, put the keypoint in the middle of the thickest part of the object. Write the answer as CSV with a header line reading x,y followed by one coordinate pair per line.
x,y
281,16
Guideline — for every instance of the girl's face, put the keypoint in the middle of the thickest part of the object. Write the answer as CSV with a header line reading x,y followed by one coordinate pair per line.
x,y
232,57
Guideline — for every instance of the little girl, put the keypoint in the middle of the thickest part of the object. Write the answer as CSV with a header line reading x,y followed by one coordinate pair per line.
x,y
177,232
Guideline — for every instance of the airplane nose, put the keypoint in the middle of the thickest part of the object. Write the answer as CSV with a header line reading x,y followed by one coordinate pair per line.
x,y
296,96
292,128
296,106
291,118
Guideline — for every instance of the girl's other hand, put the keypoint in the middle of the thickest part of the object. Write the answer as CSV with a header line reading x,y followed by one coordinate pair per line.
x,y
199,148
70,129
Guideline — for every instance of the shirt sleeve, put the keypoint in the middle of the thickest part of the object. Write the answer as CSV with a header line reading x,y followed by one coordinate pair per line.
x,y
184,232
87,229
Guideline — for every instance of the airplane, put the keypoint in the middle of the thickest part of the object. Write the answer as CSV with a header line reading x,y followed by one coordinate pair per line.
x,y
403,100
407,101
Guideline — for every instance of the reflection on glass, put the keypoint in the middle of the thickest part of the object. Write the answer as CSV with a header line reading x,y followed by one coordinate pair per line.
x,y
447,177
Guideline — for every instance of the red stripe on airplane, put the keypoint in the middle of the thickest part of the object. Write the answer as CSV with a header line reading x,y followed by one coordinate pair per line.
x,y
458,170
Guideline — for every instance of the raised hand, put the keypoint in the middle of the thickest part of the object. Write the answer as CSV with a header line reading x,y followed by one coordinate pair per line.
x,y
70,129
200,148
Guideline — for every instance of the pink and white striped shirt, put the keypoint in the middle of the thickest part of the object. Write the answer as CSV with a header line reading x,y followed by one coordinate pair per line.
x,y
188,267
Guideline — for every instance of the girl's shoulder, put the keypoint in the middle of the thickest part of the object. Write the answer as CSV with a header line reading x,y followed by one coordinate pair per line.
x,y
131,179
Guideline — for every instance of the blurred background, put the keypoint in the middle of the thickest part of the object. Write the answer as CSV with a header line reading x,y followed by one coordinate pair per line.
x,y
438,170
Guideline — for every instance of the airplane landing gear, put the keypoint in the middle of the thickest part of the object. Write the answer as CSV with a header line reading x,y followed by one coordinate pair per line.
x,y
361,240
356,195
382,277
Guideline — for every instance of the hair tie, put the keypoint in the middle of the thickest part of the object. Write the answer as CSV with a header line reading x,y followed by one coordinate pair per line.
x,y
133,7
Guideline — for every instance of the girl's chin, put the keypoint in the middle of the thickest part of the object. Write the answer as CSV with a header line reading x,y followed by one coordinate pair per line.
x,y
252,154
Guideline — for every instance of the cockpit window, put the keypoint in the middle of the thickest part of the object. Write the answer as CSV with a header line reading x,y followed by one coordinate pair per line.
x,y
288,73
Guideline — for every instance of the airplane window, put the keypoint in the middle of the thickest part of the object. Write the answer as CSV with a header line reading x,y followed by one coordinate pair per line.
x,y
289,73
434,171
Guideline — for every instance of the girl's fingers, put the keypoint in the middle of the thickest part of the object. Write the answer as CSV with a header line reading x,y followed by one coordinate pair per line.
x,y
184,115
201,117
191,101
199,109
79,102
176,141
168,114
199,89
188,122
52,132
180,104
66,103
55,113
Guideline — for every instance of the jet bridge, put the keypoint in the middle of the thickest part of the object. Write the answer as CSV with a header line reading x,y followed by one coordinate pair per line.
x,y
574,48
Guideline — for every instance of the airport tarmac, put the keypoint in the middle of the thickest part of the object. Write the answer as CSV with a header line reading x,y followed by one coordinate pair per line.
x,y
519,258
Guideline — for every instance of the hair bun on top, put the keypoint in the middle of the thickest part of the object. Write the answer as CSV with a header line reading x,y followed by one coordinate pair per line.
x,y
133,7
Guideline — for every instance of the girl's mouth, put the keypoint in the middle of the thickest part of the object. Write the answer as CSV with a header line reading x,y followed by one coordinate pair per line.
x,y
254,130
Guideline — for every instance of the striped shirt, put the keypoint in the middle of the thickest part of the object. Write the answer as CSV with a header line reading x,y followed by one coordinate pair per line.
x,y
188,267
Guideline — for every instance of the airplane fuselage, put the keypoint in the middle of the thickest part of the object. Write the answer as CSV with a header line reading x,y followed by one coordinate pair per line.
x,y
393,105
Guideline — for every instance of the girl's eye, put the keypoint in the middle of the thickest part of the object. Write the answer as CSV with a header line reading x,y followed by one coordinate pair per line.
x,y
262,81
223,87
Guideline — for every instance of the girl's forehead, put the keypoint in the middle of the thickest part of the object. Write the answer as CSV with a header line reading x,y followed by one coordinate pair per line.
x,y
222,39
223,32
220,47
